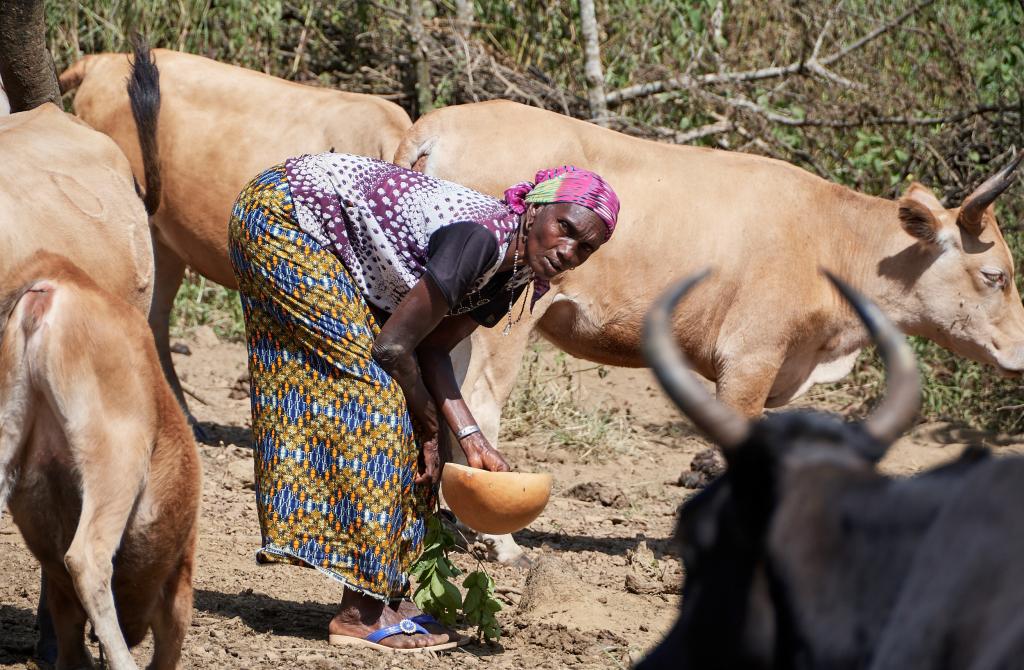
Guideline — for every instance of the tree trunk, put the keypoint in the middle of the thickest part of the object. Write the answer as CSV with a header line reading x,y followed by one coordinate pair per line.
x,y
25,64
464,17
424,94
592,64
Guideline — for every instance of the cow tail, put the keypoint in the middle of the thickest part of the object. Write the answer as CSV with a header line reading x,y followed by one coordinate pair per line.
x,y
9,300
15,380
144,95
14,286
72,78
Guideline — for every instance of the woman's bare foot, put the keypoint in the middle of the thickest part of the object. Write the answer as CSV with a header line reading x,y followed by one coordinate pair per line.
x,y
359,615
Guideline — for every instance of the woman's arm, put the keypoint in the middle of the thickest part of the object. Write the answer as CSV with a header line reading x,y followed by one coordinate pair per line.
x,y
435,361
394,349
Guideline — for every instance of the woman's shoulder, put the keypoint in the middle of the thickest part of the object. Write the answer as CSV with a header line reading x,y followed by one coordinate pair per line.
x,y
332,159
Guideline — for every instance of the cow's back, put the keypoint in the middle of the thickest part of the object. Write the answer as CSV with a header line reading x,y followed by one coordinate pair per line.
x,y
962,605
68,189
683,209
221,125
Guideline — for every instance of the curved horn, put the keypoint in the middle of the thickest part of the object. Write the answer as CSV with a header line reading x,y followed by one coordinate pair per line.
x,y
723,425
978,201
897,409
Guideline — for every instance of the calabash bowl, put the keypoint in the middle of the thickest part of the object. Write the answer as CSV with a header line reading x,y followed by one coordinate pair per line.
x,y
494,502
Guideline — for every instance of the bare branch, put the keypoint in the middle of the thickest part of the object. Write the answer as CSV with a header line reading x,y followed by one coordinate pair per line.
x,y
814,65
388,10
942,161
824,31
743,103
740,102
313,8
717,38
823,72
828,60
697,133
674,135
716,22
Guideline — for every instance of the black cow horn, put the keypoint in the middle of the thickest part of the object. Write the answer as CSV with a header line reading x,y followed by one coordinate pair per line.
x,y
978,201
723,425
896,411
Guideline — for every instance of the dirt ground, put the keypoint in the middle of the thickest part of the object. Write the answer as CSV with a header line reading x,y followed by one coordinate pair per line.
x,y
605,582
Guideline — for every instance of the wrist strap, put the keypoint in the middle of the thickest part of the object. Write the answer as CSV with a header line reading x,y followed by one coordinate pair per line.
x,y
467,431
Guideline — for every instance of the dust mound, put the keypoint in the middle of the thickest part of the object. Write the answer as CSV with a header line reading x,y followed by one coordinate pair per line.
x,y
552,585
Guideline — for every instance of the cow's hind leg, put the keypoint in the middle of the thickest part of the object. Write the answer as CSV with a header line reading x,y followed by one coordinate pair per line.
x,y
69,624
46,644
109,490
173,615
169,270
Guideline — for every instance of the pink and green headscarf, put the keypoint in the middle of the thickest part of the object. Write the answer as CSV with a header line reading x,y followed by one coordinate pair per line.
x,y
567,184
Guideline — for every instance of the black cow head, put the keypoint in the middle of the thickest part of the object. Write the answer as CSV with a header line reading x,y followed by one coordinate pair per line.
x,y
760,544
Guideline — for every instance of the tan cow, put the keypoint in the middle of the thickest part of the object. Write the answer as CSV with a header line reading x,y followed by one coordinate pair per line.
x,y
219,126
64,187
765,327
97,463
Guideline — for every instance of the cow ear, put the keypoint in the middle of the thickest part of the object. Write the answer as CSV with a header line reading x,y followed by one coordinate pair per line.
x,y
917,212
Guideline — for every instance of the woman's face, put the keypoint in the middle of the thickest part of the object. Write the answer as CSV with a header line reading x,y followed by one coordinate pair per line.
x,y
560,237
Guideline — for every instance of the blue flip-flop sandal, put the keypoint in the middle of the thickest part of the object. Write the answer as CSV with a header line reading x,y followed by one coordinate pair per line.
x,y
413,626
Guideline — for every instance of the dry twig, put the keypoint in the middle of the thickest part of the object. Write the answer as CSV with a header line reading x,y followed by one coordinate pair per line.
x,y
813,64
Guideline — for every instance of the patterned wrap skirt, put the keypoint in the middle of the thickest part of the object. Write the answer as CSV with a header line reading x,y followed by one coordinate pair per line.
x,y
334,449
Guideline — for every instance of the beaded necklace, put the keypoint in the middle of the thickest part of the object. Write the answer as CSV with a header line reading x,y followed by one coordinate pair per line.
x,y
515,267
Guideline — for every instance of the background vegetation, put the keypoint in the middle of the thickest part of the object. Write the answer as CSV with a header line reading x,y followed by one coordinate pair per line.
x,y
928,91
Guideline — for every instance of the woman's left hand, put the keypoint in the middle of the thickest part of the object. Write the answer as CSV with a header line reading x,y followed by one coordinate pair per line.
x,y
429,463
480,454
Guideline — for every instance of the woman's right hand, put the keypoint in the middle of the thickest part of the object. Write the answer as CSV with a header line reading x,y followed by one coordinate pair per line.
x,y
480,454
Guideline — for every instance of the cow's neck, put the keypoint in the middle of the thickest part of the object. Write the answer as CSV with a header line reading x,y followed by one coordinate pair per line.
x,y
871,250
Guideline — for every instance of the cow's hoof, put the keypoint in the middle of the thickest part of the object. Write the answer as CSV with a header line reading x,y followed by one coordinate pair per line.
x,y
45,655
516,559
521,561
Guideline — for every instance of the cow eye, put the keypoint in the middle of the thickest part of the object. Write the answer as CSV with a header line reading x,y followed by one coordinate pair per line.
x,y
994,276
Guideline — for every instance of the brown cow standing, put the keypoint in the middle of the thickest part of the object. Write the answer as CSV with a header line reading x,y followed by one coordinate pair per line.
x,y
766,328
96,459
219,126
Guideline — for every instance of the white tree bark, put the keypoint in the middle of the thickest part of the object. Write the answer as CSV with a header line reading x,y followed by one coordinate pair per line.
x,y
592,64
464,17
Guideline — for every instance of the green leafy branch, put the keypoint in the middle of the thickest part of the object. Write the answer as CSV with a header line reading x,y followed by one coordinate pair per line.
x,y
480,605
436,595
